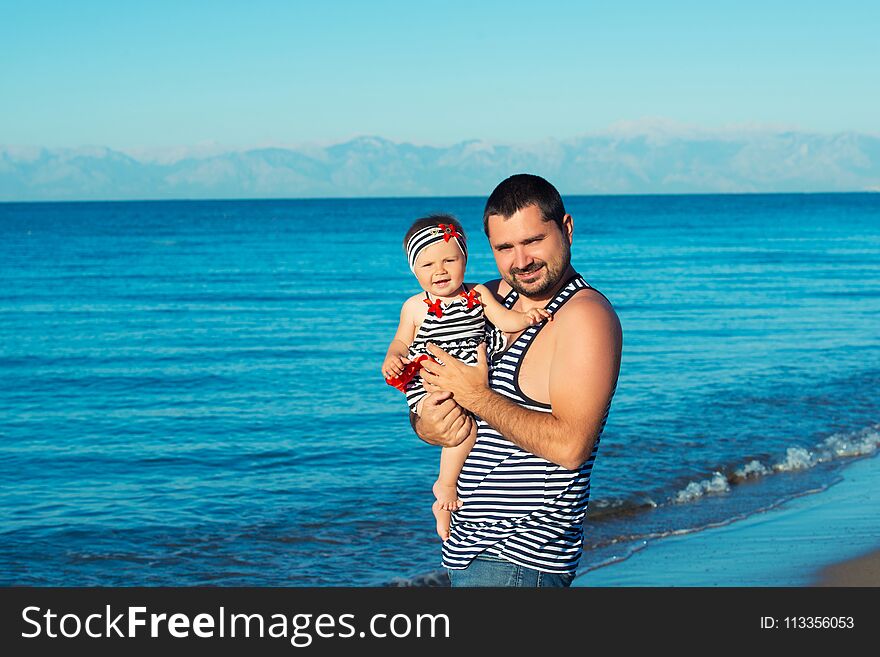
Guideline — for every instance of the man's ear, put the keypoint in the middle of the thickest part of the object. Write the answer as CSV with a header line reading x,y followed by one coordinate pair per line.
x,y
568,228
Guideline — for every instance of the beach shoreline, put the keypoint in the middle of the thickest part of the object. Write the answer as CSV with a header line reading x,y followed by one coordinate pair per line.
x,y
826,538
859,571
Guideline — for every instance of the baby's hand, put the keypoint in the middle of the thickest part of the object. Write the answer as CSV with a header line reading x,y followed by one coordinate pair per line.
x,y
393,366
538,315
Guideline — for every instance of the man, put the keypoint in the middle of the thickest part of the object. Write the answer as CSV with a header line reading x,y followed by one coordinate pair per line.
x,y
540,408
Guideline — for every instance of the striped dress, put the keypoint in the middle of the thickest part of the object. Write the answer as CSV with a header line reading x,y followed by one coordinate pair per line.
x,y
458,331
518,506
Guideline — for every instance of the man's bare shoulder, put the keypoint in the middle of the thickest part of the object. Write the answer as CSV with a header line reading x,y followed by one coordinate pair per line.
x,y
587,311
494,288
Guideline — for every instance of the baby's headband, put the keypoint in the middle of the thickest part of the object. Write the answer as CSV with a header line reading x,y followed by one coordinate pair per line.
x,y
431,235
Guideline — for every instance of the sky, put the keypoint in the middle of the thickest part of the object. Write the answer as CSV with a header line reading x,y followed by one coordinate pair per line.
x,y
142,75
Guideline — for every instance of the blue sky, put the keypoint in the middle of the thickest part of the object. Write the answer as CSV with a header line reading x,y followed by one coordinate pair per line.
x,y
159,74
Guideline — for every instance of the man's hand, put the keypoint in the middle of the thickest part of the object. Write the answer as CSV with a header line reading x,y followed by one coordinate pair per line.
x,y
467,383
443,422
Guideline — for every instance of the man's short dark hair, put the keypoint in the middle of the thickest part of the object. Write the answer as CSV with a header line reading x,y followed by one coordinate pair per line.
x,y
520,191
432,220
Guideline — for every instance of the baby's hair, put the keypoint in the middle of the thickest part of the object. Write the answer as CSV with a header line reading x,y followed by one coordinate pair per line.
x,y
432,220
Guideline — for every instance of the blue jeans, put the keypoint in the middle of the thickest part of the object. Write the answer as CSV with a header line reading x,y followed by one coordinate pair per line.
x,y
487,570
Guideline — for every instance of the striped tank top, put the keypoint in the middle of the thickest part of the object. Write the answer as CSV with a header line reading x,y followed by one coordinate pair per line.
x,y
518,506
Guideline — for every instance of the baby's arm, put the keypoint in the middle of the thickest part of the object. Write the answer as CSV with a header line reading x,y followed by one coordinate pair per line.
x,y
509,321
396,357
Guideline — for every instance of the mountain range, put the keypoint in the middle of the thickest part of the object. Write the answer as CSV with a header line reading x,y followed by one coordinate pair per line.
x,y
654,159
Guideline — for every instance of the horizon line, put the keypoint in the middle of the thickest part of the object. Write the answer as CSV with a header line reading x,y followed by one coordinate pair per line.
x,y
400,198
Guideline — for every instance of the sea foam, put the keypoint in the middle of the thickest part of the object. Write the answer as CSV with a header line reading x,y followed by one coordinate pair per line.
x,y
839,445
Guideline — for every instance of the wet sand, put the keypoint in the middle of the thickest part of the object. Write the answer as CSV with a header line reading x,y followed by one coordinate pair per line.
x,y
861,571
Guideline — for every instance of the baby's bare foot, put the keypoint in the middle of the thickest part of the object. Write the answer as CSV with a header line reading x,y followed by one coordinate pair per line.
x,y
443,519
447,496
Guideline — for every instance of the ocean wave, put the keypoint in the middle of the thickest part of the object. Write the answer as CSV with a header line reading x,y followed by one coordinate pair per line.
x,y
436,578
616,507
839,445
717,483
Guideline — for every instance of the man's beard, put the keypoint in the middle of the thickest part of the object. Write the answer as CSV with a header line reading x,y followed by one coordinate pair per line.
x,y
552,273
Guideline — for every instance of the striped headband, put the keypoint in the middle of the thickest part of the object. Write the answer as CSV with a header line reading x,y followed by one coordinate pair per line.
x,y
431,235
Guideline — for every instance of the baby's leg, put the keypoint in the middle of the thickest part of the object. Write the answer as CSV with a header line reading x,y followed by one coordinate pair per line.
x,y
415,395
451,461
417,407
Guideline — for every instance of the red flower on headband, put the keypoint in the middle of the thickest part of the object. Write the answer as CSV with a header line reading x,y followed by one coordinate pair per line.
x,y
434,308
473,299
449,232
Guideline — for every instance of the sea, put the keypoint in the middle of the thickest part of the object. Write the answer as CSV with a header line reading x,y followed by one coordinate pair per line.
x,y
191,394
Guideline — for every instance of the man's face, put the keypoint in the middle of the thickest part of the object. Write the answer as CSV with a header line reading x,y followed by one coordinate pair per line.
x,y
531,254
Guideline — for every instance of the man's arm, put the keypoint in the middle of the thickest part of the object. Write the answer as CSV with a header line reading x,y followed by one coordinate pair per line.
x,y
583,374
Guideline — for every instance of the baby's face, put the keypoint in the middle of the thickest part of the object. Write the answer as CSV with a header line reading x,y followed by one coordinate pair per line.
x,y
440,268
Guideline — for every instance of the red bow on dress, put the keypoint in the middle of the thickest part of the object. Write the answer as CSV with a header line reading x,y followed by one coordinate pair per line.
x,y
434,308
473,299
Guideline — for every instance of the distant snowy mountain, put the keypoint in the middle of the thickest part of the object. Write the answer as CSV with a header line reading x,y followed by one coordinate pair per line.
x,y
637,159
